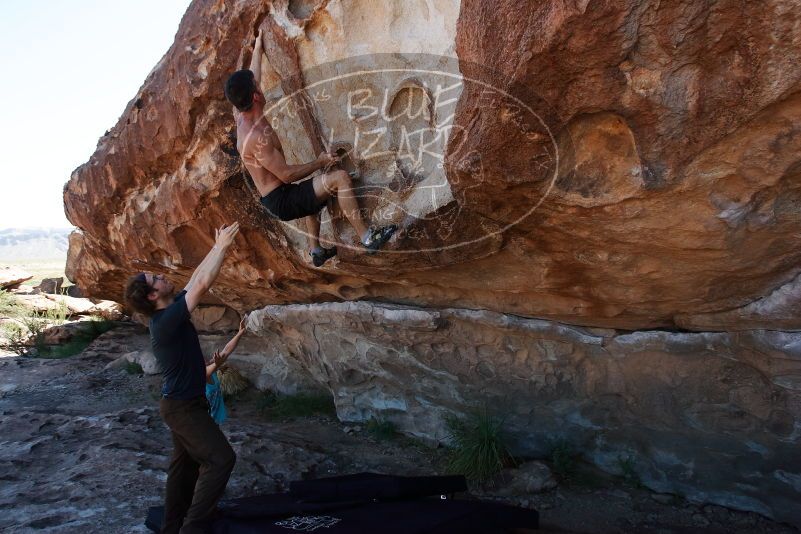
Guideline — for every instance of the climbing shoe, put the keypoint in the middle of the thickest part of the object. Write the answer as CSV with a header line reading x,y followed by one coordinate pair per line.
x,y
378,237
321,255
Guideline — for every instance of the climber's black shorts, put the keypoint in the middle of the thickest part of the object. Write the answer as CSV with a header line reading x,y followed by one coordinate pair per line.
x,y
288,202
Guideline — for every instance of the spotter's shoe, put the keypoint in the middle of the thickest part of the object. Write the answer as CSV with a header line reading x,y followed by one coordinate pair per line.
x,y
322,255
378,237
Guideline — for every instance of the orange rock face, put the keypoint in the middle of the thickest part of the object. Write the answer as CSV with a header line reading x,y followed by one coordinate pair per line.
x,y
632,165
661,186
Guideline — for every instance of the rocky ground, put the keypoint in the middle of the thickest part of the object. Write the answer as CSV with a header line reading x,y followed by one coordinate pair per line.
x,y
82,449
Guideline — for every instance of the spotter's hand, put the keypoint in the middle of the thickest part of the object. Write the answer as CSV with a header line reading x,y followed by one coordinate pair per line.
x,y
219,358
224,235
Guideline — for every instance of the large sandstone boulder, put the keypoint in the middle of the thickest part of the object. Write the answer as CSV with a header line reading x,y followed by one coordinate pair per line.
x,y
205,318
712,416
144,358
74,255
37,302
673,201
557,169
215,319
106,309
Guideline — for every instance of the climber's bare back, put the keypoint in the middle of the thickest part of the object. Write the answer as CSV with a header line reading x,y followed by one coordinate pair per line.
x,y
251,138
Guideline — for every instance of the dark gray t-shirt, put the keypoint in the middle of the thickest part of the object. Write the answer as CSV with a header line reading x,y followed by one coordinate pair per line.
x,y
177,350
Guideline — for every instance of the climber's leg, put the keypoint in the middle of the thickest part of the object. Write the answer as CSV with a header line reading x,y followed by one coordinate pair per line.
x,y
319,255
299,200
339,183
313,230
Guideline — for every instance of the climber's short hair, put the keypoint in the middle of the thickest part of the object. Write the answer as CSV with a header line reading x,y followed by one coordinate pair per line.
x,y
239,89
136,291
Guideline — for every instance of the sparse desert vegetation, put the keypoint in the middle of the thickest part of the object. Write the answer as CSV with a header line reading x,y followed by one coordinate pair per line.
x,y
29,328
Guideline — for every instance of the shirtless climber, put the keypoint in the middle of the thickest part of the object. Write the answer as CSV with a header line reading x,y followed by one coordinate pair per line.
x,y
282,192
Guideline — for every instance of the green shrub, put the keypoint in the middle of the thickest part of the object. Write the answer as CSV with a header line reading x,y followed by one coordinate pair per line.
x,y
265,401
10,306
295,406
16,337
628,469
563,459
133,368
35,323
74,346
96,326
88,331
8,328
381,429
57,315
479,449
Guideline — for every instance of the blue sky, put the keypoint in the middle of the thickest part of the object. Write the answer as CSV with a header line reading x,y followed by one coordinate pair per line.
x,y
68,69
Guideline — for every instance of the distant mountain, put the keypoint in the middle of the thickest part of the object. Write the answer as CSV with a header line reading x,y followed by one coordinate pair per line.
x,y
33,243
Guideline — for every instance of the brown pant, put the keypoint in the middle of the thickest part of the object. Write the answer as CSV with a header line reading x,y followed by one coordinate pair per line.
x,y
201,464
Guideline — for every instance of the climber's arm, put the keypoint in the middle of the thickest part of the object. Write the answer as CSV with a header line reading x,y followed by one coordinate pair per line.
x,y
255,60
210,266
273,160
